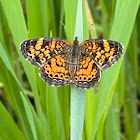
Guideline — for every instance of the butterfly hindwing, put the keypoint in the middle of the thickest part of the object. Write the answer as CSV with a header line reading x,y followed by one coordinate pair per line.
x,y
87,74
55,72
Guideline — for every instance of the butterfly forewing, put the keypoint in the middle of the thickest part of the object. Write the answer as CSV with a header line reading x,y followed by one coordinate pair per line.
x,y
39,51
104,52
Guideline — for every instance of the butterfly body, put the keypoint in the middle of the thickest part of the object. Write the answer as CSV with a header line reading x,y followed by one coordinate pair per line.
x,y
73,58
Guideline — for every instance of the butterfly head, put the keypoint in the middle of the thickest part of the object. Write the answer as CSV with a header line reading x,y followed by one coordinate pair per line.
x,y
76,42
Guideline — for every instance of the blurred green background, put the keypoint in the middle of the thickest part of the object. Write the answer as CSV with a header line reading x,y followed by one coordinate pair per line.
x,y
30,109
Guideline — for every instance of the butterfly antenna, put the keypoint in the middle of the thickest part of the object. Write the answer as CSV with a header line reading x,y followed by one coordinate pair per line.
x,y
86,29
50,33
67,28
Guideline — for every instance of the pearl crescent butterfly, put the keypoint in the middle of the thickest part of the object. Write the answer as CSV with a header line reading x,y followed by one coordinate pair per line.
x,y
63,63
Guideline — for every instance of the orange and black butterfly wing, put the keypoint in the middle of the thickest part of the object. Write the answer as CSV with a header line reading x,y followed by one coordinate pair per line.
x,y
87,74
55,72
104,52
41,50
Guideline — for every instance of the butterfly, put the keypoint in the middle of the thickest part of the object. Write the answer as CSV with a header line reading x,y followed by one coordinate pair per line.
x,y
63,63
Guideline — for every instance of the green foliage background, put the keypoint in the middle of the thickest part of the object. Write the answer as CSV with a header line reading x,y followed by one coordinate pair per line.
x,y
33,110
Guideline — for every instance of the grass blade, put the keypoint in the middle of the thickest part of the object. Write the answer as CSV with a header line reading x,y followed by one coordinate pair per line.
x,y
77,113
112,130
54,115
19,32
29,117
109,76
6,61
8,127
77,95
